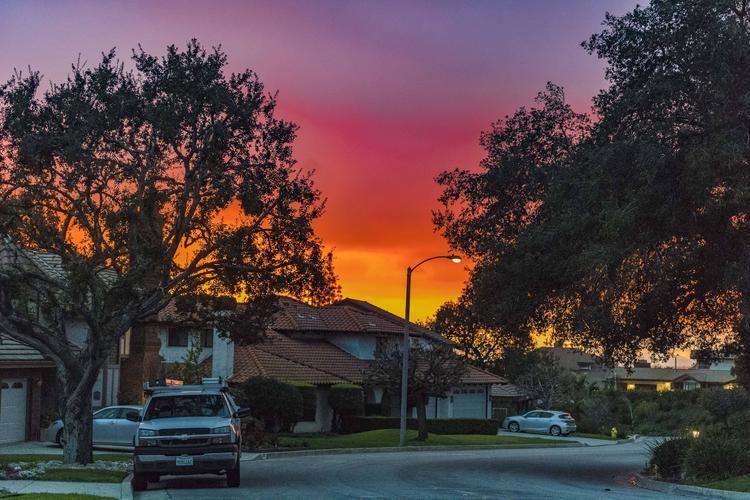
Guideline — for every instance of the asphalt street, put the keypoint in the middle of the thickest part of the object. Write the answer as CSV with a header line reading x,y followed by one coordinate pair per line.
x,y
565,473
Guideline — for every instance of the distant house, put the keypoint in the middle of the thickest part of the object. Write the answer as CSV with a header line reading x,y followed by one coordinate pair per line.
x,y
671,379
579,362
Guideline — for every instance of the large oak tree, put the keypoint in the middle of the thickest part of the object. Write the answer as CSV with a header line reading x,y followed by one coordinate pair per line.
x,y
632,232
157,179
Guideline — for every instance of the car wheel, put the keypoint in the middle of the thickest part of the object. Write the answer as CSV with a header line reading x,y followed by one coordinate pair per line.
x,y
233,476
139,482
555,430
59,439
514,427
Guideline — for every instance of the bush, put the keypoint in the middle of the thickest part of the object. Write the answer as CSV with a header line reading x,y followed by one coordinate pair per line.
x,y
667,458
717,456
721,403
309,401
596,414
345,400
276,404
645,410
350,425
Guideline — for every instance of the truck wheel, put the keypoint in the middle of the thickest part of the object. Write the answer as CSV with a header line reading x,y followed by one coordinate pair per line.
x,y
233,476
139,482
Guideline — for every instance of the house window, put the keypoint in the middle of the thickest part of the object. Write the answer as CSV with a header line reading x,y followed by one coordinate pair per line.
x,y
178,337
125,345
207,338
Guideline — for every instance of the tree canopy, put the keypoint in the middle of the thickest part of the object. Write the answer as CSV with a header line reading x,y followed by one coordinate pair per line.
x,y
629,231
147,183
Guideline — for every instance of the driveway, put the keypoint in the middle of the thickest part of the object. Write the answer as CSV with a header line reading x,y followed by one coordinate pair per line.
x,y
570,473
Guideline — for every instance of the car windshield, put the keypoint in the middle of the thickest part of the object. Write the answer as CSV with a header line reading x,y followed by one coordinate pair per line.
x,y
203,405
566,416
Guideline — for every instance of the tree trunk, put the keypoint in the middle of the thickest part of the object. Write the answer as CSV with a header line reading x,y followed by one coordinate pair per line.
x,y
76,411
421,417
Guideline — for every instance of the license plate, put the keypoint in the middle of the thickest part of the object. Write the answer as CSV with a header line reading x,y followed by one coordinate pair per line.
x,y
188,461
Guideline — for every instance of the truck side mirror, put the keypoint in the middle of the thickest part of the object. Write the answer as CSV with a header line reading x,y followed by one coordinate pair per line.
x,y
133,416
242,413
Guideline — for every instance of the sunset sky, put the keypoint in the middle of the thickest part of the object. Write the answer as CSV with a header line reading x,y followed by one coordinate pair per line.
x,y
387,95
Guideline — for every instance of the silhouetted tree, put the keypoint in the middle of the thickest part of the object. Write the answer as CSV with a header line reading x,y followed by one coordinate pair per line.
x,y
139,187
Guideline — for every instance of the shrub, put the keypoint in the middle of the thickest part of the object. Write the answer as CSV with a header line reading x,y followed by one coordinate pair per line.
x,y
350,425
721,403
276,404
667,457
597,415
645,410
717,456
345,400
309,400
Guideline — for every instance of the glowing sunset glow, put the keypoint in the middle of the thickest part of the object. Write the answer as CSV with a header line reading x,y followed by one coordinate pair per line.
x,y
386,94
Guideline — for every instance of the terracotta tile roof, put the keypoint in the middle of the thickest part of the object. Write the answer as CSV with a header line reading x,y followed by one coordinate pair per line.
x,y
250,361
317,354
315,361
507,391
476,375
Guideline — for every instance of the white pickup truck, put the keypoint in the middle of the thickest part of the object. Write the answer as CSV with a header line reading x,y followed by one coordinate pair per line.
x,y
187,429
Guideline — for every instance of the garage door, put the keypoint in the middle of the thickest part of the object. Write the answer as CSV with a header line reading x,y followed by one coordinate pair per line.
x,y
12,410
469,403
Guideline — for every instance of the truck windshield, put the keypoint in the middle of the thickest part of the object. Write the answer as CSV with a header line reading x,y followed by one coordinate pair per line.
x,y
203,405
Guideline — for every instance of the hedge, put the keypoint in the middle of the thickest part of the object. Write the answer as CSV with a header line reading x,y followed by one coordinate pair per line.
x,y
309,400
347,399
350,425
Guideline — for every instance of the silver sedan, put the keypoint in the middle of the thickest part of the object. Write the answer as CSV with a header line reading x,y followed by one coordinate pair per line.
x,y
548,422
111,428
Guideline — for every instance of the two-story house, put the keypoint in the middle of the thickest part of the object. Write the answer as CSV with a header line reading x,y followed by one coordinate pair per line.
x,y
318,346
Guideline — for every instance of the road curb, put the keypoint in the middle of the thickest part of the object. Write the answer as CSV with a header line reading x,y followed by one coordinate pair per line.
x,y
676,489
250,457
126,488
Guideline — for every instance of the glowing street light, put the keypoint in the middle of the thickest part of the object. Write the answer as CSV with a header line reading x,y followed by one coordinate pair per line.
x,y
405,348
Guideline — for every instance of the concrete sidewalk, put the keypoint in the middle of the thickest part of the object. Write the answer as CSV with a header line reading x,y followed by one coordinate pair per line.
x,y
106,490
572,437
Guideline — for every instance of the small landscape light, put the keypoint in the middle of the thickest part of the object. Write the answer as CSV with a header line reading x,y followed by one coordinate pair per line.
x,y
695,433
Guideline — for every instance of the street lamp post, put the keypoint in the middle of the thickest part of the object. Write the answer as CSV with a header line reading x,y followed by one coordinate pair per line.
x,y
406,344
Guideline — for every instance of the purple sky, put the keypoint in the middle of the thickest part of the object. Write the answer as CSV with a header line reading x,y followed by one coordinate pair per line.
x,y
387,94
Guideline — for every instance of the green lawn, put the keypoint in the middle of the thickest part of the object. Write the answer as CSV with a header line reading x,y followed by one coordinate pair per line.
x,y
595,436
389,437
739,483
77,475
84,475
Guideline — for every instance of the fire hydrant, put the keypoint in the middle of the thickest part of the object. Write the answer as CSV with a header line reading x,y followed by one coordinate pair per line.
x,y
613,432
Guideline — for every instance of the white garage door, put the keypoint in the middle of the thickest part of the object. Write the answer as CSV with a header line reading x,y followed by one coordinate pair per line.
x,y
469,402
12,410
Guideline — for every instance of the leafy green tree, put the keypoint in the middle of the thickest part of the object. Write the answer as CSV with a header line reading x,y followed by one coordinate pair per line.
x,y
630,233
143,186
